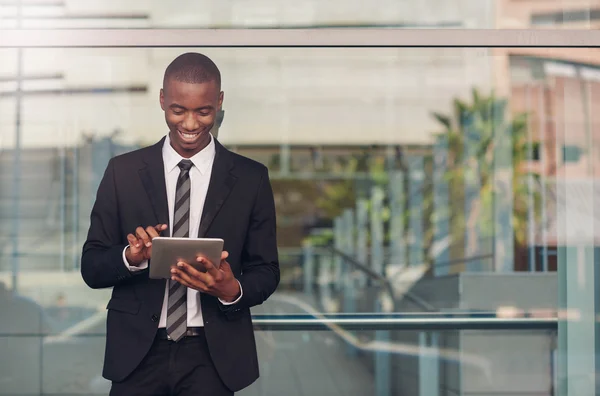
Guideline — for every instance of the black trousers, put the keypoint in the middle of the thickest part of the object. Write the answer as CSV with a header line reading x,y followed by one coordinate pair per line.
x,y
174,369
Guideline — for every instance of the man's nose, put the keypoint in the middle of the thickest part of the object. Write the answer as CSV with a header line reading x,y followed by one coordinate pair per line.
x,y
190,123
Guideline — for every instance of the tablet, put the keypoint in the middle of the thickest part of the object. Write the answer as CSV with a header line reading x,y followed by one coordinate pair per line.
x,y
167,251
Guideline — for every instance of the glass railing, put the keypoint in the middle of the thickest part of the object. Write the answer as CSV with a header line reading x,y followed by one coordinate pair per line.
x,y
351,332
342,354
404,270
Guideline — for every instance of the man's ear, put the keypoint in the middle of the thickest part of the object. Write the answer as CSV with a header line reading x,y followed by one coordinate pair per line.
x,y
221,96
162,99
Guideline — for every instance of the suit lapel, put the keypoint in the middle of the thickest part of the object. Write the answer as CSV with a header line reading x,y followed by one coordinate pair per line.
x,y
152,175
153,179
221,183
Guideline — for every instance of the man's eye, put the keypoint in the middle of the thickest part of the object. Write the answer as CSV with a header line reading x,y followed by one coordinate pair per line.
x,y
177,112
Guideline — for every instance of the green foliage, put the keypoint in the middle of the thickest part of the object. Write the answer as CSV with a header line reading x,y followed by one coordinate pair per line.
x,y
321,238
343,193
483,144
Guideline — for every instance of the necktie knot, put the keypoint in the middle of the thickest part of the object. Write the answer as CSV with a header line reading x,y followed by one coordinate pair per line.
x,y
185,165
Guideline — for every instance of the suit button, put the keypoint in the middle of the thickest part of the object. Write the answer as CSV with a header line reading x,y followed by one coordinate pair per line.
x,y
154,318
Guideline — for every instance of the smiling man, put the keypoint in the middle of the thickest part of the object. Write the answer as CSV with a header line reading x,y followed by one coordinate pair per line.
x,y
192,334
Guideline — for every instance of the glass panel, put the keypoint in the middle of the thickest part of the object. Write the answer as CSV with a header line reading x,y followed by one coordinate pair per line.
x,y
20,366
402,184
421,14
8,82
335,362
73,365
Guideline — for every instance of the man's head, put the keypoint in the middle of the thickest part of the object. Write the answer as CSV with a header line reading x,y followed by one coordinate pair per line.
x,y
191,97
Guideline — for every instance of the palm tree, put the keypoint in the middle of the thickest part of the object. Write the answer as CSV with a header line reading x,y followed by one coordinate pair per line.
x,y
483,146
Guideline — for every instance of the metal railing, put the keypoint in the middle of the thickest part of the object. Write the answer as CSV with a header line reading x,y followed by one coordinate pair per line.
x,y
405,321
384,282
373,321
387,283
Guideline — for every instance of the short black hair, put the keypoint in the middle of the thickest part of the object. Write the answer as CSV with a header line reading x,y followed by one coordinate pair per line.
x,y
193,68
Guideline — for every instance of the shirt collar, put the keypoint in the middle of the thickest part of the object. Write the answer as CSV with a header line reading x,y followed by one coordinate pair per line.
x,y
201,160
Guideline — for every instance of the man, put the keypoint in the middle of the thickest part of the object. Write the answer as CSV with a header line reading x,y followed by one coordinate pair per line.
x,y
192,334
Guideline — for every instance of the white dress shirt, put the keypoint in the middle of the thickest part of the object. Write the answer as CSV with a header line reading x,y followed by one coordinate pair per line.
x,y
199,179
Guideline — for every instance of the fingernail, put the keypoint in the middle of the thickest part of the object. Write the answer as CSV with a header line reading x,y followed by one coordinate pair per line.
x,y
173,271
180,264
148,244
137,245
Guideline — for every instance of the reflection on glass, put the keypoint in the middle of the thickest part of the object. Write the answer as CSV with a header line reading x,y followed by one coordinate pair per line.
x,y
406,180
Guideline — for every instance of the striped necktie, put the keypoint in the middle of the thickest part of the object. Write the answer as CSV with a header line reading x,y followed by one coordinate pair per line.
x,y
177,307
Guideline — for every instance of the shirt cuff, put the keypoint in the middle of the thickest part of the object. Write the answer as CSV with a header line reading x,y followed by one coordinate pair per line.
x,y
143,265
237,299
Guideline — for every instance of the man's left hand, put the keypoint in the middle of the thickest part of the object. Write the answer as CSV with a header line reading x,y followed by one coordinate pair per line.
x,y
218,282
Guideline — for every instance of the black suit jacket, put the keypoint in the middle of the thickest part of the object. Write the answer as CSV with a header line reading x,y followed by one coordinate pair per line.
x,y
239,208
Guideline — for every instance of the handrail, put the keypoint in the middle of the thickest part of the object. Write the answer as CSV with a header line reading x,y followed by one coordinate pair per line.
x,y
449,263
387,285
385,281
402,322
373,321
362,267
388,282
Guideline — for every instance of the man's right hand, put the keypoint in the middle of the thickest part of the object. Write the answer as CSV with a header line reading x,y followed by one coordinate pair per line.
x,y
140,244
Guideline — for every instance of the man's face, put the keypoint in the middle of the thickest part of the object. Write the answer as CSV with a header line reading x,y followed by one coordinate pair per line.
x,y
190,112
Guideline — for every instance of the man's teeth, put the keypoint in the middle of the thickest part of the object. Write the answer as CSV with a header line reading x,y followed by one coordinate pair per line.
x,y
188,135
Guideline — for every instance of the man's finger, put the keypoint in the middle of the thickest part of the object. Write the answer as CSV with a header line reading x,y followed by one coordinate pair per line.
x,y
204,277
185,272
225,267
181,275
134,244
189,269
160,227
152,233
141,234
210,268
224,255
182,281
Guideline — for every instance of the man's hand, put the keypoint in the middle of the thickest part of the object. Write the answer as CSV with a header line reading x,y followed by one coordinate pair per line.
x,y
140,244
217,282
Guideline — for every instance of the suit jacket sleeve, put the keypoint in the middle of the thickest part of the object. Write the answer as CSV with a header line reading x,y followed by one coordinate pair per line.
x,y
259,259
101,260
